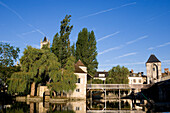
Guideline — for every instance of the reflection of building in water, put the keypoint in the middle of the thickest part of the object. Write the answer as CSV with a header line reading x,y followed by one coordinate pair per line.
x,y
114,105
40,107
77,106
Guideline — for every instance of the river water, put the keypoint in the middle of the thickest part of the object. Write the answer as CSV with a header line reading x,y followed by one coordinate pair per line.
x,y
88,106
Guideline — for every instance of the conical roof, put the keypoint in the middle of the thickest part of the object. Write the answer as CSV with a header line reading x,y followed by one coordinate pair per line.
x,y
152,59
45,39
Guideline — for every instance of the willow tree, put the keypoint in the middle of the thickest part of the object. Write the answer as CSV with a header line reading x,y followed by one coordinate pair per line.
x,y
66,80
118,75
42,66
37,66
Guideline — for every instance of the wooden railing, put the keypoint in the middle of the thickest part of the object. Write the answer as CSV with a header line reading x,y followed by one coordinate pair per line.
x,y
118,86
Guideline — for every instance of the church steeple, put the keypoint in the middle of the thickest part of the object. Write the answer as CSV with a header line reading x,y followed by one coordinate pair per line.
x,y
45,42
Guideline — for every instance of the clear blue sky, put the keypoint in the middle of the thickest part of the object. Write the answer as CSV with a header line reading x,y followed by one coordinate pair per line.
x,y
127,31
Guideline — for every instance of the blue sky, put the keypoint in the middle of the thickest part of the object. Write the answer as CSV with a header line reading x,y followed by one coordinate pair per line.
x,y
127,31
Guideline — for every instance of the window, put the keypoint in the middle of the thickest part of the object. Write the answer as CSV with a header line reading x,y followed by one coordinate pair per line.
x,y
139,80
153,69
134,80
77,108
78,80
77,90
101,75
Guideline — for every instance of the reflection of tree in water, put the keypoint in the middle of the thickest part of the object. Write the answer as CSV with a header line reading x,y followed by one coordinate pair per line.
x,y
18,107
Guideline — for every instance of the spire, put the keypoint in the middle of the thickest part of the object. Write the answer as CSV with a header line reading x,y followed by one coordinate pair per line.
x,y
45,39
152,59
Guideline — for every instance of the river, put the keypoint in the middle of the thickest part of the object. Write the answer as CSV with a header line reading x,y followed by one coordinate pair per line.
x,y
88,106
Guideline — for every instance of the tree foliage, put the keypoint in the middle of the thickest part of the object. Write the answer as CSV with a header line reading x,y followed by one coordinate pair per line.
x,y
86,50
37,65
6,73
67,78
97,81
42,66
8,54
73,50
61,42
118,75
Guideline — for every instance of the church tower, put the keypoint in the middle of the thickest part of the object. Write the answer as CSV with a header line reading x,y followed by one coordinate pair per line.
x,y
153,68
45,42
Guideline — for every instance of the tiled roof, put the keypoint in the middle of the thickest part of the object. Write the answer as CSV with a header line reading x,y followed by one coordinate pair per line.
x,y
78,70
79,63
152,59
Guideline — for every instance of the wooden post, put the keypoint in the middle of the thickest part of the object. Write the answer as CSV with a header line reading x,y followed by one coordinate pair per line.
x,y
105,99
32,89
91,100
119,101
31,107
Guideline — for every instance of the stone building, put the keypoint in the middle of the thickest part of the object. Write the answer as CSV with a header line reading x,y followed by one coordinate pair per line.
x,y
81,72
153,69
45,42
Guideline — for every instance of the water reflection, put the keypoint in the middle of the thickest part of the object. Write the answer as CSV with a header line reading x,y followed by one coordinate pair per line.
x,y
73,107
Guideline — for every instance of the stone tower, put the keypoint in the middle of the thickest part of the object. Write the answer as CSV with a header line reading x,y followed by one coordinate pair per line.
x,y
45,42
153,68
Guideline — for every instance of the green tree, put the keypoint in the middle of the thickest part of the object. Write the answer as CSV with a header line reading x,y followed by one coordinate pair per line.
x,y
8,54
42,66
37,66
86,50
73,50
97,81
61,43
6,73
118,75
67,78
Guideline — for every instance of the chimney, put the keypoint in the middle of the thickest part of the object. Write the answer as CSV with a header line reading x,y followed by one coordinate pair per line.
x,y
131,70
166,70
139,74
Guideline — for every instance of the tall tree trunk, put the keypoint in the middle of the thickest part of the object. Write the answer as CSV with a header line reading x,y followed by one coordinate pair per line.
x,y
32,89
